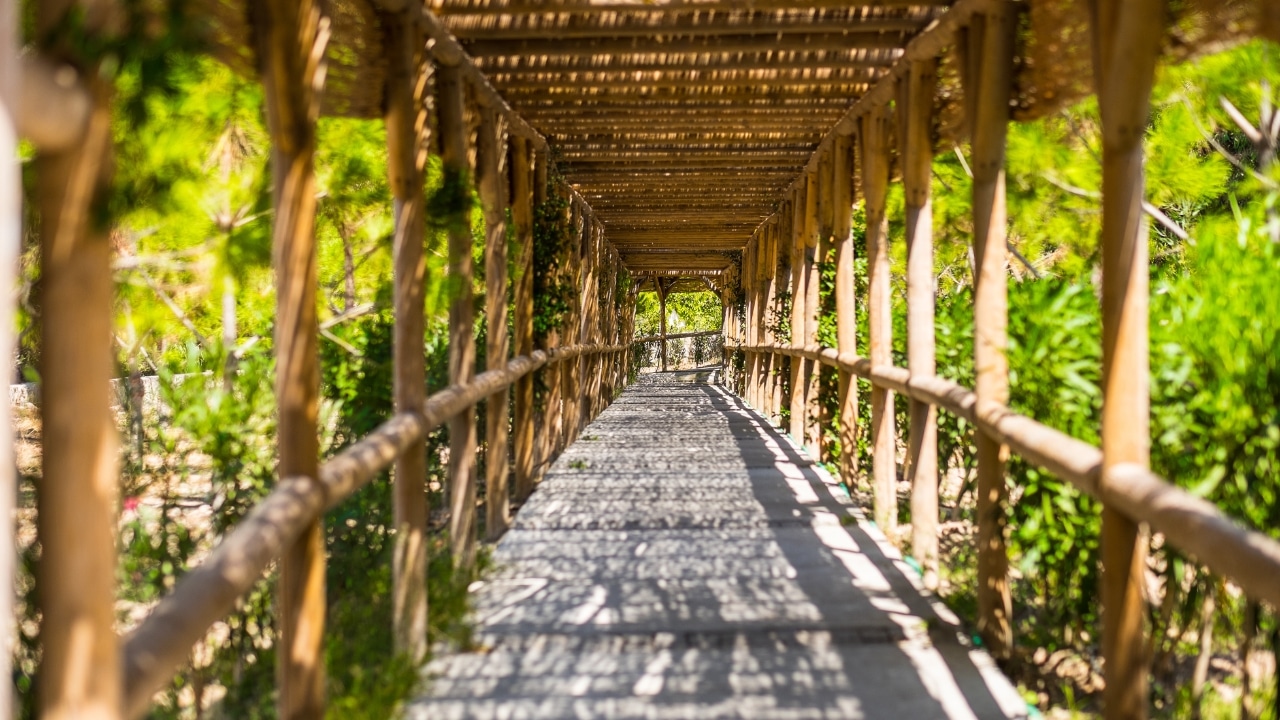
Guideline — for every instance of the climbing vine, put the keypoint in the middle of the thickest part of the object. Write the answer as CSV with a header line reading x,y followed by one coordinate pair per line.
x,y
553,240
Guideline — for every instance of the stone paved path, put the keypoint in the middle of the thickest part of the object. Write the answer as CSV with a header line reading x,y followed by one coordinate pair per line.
x,y
685,560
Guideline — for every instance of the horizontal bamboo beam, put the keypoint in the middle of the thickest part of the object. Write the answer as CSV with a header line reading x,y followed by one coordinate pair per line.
x,y
813,41
209,591
1193,525
845,80
700,105
802,91
797,60
604,25
675,336
455,8
694,145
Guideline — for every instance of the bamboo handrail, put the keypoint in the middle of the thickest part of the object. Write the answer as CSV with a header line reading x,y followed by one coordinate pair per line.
x,y
163,641
675,336
1191,524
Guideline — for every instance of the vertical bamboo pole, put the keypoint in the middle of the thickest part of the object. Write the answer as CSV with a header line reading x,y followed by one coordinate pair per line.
x,y
1127,39
80,673
826,247
749,331
987,99
754,331
768,296
10,248
916,138
799,327
407,131
462,350
760,317
778,255
291,41
571,375
662,321
846,309
875,181
550,375
522,216
491,177
812,293
766,276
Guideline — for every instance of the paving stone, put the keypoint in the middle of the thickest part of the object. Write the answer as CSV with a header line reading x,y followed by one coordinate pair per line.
x,y
684,559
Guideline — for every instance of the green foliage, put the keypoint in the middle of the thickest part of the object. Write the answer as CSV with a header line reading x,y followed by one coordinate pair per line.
x,y
555,244
686,312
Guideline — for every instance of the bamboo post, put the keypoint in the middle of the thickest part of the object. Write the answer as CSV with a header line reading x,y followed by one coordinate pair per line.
x,y
10,248
662,321
768,291
988,85
566,337
826,249
462,351
407,141
491,155
916,139
80,675
571,374
846,309
875,180
760,317
522,216
798,322
812,293
1127,40
291,39
550,376
779,254
753,332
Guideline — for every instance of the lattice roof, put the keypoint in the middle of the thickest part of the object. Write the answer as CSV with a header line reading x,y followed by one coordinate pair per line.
x,y
682,122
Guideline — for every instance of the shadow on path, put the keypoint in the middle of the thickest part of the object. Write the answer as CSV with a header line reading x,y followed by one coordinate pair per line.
x,y
684,559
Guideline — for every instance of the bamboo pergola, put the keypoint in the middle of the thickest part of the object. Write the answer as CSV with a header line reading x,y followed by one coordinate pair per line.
x,y
717,139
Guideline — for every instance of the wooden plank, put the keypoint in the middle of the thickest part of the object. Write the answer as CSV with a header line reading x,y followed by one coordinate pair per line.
x,y
1127,40
987,91
846,308
462,352
916,152
875,180
80,673
522,215
491,179
289,36
407,143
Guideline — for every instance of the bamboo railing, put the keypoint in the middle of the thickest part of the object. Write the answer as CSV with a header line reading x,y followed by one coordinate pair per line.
x,y
782,256
87,671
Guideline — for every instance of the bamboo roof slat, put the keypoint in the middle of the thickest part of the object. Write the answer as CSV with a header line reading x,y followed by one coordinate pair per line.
x,y
708,108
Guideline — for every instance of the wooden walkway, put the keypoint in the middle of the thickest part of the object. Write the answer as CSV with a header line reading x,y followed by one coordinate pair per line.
x,y
685,560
